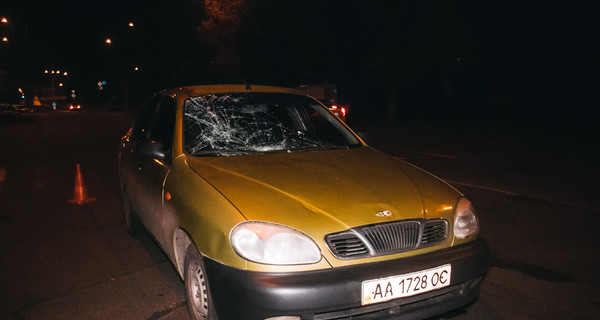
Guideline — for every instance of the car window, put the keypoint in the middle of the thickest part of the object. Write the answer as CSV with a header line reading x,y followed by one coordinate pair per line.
x,y
164,123
242,123
144,119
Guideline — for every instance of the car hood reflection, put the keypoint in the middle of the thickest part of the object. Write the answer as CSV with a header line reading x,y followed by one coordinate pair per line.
x,y
334,188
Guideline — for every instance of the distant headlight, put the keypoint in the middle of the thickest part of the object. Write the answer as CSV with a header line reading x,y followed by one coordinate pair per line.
x,y
273,244
465,220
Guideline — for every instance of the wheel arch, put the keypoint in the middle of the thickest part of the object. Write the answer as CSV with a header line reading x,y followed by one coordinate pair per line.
x,y
181,243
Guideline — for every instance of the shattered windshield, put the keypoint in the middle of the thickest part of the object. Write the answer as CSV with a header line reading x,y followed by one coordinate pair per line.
x,y
244,123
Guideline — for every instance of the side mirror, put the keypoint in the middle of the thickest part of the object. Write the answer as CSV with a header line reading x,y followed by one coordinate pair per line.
x,y
150,149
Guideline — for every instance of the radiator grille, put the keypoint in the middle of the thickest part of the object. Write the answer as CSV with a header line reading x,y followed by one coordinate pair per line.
x,y
387,238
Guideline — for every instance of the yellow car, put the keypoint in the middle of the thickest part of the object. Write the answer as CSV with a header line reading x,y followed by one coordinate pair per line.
x,y
241,187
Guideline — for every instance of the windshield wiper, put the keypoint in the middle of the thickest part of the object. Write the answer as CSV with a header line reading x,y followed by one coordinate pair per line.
x,y
318,147
221,153
334,147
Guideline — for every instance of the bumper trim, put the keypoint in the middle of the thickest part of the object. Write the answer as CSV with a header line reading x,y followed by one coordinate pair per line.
x,y
336,293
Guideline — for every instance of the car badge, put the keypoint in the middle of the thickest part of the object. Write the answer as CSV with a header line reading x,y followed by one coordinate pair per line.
x,y
384,213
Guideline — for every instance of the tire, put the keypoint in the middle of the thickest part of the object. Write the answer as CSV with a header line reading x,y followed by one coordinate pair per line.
x,y
132,222
199,300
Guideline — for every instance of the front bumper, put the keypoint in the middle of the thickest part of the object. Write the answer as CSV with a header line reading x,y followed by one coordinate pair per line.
x,y
336,293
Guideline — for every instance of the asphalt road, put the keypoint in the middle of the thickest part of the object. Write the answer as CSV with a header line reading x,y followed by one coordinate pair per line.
x,y
538,204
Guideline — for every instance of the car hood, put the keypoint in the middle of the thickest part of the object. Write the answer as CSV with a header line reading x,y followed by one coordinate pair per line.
x,y
320,191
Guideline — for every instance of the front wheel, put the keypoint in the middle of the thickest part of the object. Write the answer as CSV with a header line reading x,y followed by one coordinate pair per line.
x,y
199,301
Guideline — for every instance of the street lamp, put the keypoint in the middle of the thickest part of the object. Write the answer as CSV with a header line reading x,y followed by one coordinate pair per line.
x,y
53,90
53,73
5,38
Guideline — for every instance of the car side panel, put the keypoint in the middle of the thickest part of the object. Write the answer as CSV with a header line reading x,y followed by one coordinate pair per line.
x,y
202,212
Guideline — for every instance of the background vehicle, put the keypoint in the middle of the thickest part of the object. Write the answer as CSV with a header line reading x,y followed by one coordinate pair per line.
x,y
327,94
18,112
74,107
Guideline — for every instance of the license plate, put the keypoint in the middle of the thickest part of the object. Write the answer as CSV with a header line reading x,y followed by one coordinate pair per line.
x,y
406,285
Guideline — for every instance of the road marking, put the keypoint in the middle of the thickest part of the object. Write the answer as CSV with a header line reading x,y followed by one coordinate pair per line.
x,y
482,187
472,185
514,194
430,154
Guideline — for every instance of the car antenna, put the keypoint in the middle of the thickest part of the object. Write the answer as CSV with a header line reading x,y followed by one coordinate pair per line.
x,y
247,85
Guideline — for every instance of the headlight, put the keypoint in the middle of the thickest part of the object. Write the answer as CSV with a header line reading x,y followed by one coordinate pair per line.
x,y
273,244
465,220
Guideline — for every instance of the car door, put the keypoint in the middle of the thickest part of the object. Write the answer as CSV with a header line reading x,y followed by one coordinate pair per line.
x,y
130,168
152,170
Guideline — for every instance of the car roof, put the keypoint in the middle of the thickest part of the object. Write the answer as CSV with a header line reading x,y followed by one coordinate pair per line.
x,y
229,88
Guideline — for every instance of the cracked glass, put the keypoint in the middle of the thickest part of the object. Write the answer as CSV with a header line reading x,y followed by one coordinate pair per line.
x,y
245,123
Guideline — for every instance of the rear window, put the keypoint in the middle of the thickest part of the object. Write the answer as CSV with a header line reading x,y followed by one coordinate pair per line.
x,y
244,123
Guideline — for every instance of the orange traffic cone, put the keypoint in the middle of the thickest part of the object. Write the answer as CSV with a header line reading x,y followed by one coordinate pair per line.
x,y
80,195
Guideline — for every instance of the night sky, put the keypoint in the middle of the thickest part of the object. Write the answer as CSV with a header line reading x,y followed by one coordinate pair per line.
x,y
496,61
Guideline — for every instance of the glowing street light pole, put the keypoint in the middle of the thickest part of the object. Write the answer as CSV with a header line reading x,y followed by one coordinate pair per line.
x,y
52,74
53,90
5,38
